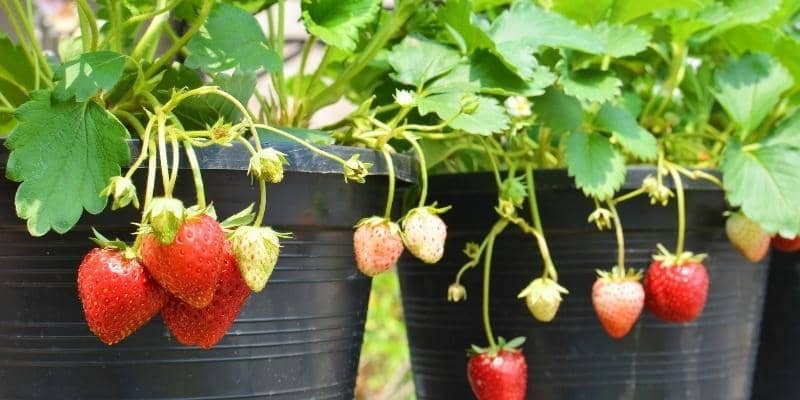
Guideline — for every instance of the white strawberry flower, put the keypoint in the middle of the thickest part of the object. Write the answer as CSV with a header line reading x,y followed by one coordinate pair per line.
x,y
518,107
404,98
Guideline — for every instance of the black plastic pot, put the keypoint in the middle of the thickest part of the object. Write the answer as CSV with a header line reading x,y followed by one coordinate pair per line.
x,y
298,339
778,366
572,358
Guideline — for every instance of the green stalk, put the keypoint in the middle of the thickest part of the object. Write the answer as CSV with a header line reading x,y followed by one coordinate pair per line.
x,y
176,47
498,227
151,178
196,174
532,201
27,19
158,11
302,142
116,24
495,167
619,233
423,169
676,177
151,35
88,26
298,84
262,203
281,81
176,159
145,150
162,153
390,197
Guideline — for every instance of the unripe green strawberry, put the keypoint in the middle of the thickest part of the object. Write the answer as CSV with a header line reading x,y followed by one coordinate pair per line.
x,y
267,165
122,192
424,234
256,250
747,237
543,297
377,245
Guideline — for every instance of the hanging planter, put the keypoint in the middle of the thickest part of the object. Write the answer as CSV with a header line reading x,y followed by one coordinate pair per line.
x,y
298,339
572,357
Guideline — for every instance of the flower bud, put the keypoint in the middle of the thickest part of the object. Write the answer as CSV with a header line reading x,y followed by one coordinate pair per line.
x,y
456,292
355,170
404,98
267,165
122,192
602,218
472,250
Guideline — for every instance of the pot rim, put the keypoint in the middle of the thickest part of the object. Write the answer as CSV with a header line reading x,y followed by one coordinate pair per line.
x,y
559,179
236,157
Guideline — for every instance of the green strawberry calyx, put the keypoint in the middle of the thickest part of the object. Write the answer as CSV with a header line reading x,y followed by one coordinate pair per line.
x,y
619,274
425,210
667,259
394,228
512,345
115,244
164,217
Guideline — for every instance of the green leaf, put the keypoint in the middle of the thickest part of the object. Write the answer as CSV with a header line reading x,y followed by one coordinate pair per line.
x,y
627,132
627,10
15,68
762,38
231,38
490,117
559,112
787,133
621,40
764,181
338,22
313,136
64,154
748,88
598,168
417,60
583,11
445,105
539,28
84,76
744,12
457,15
253,6
591,85
494,78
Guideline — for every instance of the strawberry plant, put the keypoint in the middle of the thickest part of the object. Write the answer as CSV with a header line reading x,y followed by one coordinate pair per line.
x,y
698,90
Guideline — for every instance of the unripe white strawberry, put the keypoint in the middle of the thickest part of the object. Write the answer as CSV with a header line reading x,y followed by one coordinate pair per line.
x,y
377,245
256,250
424,234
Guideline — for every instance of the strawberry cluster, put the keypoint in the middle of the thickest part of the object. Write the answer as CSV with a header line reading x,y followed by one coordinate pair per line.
x,y
185,269
378,242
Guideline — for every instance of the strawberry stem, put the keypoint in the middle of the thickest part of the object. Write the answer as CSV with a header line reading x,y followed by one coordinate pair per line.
x,y
151,176
162,152
620,237
196,174
176,161
262,203
423,169
498,228
676,177
387,214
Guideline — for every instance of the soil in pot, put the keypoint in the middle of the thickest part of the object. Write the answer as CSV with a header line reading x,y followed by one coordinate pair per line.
x,y
298,339
572,358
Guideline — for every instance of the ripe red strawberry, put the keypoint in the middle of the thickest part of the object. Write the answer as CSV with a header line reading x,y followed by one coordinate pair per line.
x,y
747,237
424,234
780,243
618,299
188,267
118,295
205,327
676,287
377,245
499,374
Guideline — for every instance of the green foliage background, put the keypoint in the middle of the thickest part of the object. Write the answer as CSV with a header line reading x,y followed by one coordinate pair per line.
x,y
384,372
